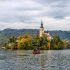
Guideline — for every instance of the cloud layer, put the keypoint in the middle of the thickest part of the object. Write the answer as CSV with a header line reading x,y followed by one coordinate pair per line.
x,y
29,13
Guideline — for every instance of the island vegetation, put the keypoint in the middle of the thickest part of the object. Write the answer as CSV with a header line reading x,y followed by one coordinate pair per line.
x,y
28,42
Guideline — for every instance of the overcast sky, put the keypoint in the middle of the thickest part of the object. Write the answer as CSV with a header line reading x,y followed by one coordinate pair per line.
x,y
18,14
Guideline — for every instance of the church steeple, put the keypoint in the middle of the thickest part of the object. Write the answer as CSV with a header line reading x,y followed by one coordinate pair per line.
x,y
41,25
41,33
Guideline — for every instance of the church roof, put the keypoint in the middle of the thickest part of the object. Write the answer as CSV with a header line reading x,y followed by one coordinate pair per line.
x,y
46,31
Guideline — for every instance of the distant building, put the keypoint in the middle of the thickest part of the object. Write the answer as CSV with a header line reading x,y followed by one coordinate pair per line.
x,y
42,32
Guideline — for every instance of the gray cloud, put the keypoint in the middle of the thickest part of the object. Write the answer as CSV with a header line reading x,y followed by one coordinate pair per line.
x,y
52,1
18,11
58,8
27,11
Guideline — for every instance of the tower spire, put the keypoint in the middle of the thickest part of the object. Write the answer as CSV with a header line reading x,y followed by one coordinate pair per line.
x,y
41,24
41,33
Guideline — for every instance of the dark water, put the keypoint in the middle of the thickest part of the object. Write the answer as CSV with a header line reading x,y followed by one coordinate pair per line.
x,y
25,60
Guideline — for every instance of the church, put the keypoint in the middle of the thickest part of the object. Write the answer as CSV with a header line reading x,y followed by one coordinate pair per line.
x,y
42,32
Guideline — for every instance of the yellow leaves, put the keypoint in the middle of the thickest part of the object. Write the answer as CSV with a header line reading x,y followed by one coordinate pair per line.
x,y
22,39
48,45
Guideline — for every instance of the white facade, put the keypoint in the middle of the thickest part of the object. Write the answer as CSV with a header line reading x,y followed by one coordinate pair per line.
x,y
41,32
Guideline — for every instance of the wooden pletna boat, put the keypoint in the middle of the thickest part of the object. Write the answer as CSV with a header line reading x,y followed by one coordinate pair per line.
x,y
36,51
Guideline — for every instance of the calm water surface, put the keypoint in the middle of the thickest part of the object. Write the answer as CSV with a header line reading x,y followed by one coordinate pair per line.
x,y
25,60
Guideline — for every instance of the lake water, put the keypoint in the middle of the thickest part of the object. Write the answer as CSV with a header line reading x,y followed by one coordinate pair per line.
x,y
25,60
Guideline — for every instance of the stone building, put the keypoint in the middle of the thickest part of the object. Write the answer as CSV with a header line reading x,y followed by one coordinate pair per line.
x,y
42,32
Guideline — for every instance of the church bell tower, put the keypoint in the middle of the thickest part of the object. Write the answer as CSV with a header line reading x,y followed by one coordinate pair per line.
x,y
41,32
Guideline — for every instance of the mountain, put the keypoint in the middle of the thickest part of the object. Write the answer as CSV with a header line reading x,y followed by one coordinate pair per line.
x,y
7,33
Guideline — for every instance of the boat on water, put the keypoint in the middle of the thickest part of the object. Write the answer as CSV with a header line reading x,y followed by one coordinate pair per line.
x,y
36,51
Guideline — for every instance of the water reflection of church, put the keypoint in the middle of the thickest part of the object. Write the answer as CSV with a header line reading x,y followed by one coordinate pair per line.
x,y
42,32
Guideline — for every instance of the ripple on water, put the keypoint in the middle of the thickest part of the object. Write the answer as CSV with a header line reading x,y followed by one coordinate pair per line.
x,y
49,60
